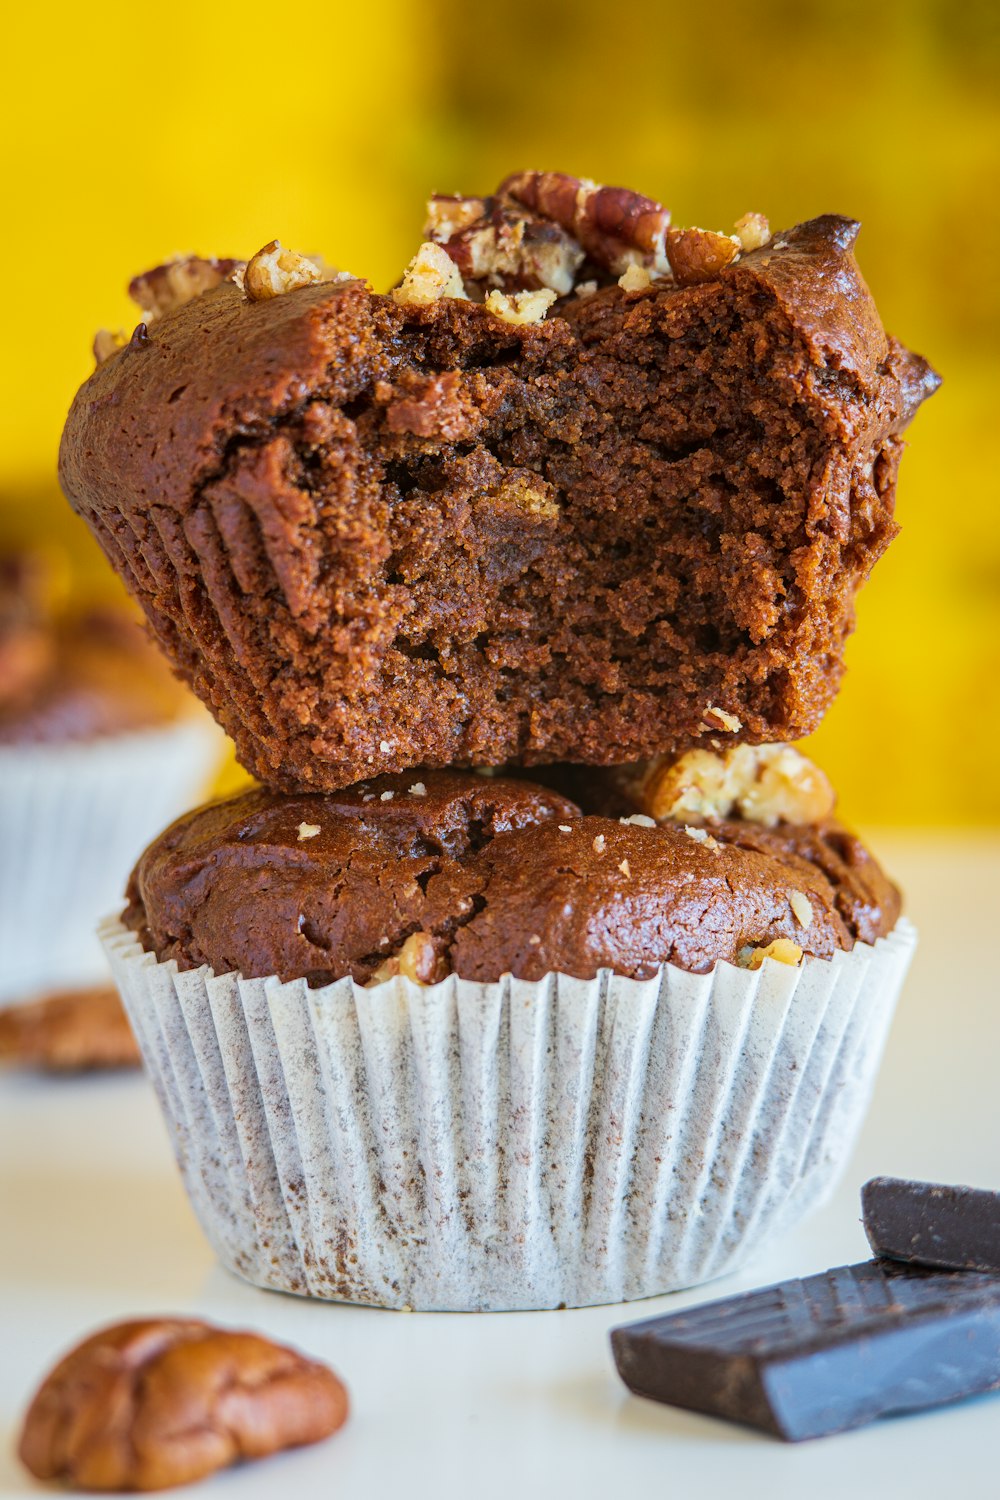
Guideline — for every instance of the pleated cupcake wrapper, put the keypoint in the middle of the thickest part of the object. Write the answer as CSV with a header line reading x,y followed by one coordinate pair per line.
x,y
510,1145
73,820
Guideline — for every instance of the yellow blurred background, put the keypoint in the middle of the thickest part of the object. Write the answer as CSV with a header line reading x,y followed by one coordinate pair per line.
x,y
137,133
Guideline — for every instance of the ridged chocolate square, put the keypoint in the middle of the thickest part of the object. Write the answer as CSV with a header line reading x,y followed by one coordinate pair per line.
x,y
803,1359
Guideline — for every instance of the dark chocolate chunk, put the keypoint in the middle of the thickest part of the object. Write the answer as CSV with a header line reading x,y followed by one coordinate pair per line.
x,y
807,1358
928,1224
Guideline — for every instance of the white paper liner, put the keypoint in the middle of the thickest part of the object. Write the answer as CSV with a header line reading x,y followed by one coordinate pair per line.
x,y
73,820
510,1145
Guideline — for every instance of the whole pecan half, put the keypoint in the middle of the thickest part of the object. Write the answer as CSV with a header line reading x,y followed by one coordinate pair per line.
x,y
615,226
151,1404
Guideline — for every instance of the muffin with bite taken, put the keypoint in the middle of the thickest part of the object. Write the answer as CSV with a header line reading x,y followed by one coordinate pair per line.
x,y
585,486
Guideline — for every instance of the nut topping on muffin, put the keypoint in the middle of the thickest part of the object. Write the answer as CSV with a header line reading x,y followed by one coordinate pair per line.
x,y
275,270
166,288
539,229
767,784
431,275
781,950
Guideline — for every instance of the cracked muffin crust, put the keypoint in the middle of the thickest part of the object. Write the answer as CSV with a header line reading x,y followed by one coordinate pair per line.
x,y
456,873
374,532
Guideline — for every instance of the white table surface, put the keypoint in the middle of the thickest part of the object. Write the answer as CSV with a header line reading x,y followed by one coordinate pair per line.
x,y
94,1227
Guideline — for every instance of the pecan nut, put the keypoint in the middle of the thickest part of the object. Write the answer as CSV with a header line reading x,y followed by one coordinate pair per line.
x,y
766,784
165,288
615,226
72,1031
273,271
151,1404
699,254
430,275
418,959
503,245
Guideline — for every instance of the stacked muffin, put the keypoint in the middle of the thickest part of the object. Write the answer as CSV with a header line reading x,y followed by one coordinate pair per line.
x,y
585,493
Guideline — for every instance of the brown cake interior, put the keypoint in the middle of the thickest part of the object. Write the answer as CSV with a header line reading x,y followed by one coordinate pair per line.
x,y
373,536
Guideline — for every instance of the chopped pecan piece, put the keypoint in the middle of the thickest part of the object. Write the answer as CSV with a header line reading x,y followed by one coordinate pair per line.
x,y
753,231
108,342
417,959
167,287
275,270
520,307
699,254
616,227
766,784
503,245
151,1404
431,274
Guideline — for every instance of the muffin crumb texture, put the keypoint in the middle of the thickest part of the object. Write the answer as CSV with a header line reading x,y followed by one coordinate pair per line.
x,y
482,877
515,524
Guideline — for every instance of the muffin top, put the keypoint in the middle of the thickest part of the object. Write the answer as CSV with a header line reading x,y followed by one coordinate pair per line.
x,y
444,872
71,671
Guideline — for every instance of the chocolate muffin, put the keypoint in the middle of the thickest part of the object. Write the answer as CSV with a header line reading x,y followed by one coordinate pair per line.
x,y
454,873
72,671
585,487
99,746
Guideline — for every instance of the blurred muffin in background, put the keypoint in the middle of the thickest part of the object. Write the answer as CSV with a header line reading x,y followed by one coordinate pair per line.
x,y
74,670
99,745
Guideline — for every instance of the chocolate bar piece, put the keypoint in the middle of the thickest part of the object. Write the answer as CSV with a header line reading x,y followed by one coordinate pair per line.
x,y
928,1224
831,1352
